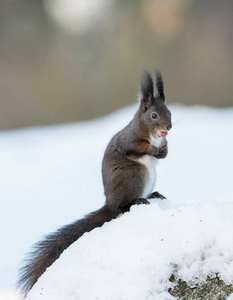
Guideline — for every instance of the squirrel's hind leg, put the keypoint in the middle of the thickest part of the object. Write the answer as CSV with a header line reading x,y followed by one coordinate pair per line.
x,y
137,201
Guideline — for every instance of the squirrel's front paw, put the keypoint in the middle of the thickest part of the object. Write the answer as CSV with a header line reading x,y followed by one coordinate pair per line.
x,y
162,153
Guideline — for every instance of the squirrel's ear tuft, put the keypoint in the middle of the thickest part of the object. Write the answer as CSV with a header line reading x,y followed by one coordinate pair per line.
x,y
159,85
146,90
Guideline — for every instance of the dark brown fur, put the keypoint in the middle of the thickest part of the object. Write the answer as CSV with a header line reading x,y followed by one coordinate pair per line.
x,y
124,179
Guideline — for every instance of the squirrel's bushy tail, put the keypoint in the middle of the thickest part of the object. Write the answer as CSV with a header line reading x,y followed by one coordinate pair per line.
x,y
48,250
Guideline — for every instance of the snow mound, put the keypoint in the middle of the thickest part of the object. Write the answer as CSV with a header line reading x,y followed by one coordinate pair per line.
x,y
134,256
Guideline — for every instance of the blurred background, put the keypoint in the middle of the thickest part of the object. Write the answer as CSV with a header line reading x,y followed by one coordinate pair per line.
x,y
72,60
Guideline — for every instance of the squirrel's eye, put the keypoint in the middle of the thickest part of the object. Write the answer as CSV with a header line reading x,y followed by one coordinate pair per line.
x,y
154,116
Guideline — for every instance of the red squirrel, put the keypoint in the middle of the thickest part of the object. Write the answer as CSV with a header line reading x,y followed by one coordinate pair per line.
x,y
128,171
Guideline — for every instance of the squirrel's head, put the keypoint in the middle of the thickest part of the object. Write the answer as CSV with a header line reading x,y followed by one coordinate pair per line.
x,y
153,110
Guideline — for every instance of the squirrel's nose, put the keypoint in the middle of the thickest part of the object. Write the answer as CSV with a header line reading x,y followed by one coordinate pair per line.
x,y
168,127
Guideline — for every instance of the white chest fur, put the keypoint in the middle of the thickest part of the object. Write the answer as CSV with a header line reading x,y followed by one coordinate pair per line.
x,y
150,163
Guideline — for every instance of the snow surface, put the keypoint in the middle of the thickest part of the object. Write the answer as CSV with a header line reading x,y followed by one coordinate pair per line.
x,y
51,176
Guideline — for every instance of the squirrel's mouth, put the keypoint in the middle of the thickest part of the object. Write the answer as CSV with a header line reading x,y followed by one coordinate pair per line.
x,y
160,133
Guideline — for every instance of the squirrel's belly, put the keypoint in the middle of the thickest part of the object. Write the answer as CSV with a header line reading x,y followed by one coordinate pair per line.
x,y
149,162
